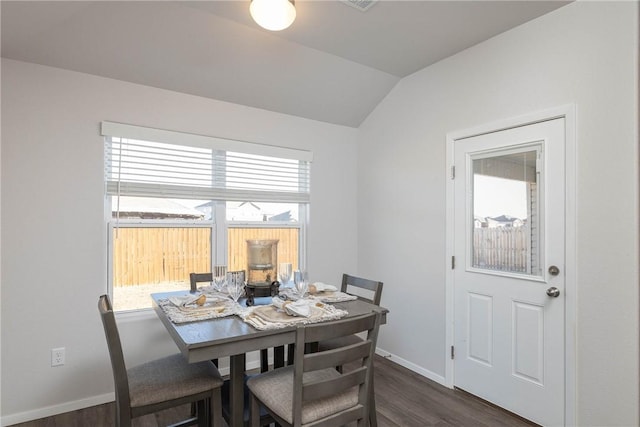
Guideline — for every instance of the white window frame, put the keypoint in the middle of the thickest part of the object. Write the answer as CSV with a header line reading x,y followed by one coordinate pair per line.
x,y
218,222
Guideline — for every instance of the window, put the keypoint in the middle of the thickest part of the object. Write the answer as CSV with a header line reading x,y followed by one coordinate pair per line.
x,y
180,203
505,232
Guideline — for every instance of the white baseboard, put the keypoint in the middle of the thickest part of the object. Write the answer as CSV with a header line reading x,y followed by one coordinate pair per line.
x,y
49,411
412,366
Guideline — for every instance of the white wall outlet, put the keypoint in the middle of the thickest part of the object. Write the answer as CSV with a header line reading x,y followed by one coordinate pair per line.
x,y
57,356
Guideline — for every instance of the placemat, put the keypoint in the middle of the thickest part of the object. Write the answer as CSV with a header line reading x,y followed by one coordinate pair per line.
x,y
208,311
326,296
330,297
265,317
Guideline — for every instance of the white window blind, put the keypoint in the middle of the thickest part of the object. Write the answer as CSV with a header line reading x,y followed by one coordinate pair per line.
x,y
158,163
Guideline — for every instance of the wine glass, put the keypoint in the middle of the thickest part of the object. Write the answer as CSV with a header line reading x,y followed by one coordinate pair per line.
x,y
301,281
235,286
219,277
284,272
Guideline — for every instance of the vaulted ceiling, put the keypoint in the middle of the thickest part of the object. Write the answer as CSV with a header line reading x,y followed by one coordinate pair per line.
x,y
334,64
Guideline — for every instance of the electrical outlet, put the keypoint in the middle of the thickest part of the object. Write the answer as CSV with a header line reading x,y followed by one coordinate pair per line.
x,y
57,356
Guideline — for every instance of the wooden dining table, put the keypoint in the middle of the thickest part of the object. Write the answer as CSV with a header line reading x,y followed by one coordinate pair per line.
x,y
231,336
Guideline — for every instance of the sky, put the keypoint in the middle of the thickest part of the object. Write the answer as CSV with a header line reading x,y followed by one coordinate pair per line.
x,y
498,196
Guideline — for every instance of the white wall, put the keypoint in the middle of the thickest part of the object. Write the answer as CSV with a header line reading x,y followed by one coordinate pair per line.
x,y
53,231
584,53
53,264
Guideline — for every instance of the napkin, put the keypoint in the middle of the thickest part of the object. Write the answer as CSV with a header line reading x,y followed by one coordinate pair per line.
x,y
293,308
322,287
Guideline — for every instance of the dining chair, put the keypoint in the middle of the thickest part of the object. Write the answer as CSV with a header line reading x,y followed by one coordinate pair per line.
x,y
196,278
312,391
162,383
372,289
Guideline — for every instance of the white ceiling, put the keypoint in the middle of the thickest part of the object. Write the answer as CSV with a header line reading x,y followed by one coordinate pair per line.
x,y
334,64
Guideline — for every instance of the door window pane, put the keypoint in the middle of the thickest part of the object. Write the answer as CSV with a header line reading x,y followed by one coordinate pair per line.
x,y
506,229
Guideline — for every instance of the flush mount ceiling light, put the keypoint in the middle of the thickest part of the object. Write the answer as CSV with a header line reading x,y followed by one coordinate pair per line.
x,y
274,15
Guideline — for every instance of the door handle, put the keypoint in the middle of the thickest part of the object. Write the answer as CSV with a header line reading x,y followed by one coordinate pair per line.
x,y
553,292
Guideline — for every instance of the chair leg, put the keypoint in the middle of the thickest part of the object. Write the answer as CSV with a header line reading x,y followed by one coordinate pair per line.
x,y
215,408
373,416
123,419
254,417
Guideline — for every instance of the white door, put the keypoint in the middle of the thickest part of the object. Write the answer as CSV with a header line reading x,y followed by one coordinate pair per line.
x,y
509,246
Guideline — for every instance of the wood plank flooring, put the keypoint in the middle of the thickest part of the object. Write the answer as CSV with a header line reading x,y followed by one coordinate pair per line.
x,y
403,398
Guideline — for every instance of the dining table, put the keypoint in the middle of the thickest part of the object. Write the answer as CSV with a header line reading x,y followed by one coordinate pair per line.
x,y
231,336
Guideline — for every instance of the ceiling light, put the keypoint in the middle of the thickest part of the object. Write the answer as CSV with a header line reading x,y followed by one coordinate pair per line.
x,y
274,15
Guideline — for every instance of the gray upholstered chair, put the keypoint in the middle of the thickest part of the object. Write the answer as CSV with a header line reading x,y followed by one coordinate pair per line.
x,y
160,384
373,289
312,391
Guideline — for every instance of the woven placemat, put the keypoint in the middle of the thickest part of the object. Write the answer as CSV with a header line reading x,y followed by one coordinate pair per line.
x,y
266,317
208,311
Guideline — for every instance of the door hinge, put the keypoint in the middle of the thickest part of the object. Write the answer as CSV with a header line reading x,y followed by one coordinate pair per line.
x,y
453,262
453,352
453,172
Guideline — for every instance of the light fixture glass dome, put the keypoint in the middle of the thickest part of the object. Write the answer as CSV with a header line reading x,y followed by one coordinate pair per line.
x,y
274,15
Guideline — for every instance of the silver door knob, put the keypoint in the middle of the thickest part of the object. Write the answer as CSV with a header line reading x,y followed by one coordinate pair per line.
x,y
553,292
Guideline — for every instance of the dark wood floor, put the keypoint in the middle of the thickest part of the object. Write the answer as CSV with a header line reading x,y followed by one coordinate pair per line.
x,y
403,398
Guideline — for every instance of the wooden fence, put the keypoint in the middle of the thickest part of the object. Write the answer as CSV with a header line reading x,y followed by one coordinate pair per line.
x,y
155,255
502,248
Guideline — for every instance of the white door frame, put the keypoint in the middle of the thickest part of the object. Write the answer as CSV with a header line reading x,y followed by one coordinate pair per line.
x,y
568,112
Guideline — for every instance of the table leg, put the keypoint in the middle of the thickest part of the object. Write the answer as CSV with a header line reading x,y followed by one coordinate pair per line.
x,y
236,389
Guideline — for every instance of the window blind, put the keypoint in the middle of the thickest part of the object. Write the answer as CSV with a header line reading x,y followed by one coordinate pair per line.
x,y
148,162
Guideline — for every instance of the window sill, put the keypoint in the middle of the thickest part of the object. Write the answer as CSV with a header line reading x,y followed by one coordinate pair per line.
x,y
135,315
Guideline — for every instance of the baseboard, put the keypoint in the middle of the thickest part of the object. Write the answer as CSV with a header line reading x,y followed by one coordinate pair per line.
x,y
251,363
49,411
412,366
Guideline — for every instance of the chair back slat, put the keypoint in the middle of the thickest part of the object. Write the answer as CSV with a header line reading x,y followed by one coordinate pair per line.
x,y
331,387
373,286
341,328
337,356
115,351
195,278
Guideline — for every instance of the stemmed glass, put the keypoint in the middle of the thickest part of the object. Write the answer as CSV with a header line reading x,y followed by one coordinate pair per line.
x,y
301,281
235,285
219,277
284,272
